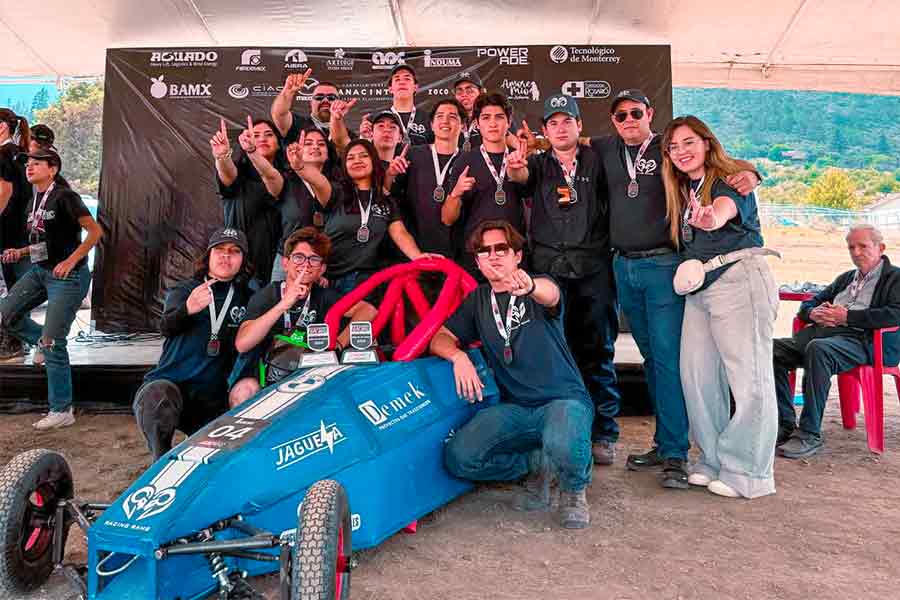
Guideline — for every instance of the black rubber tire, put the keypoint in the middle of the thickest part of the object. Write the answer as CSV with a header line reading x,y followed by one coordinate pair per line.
x,y
324,514
45,470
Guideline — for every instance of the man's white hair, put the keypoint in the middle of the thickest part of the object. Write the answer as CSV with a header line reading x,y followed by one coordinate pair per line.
x,y
874,232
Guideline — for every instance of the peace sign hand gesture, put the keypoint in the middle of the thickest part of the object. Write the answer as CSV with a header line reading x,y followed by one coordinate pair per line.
x,y
248,144
518,160
221,147
295,154
340,108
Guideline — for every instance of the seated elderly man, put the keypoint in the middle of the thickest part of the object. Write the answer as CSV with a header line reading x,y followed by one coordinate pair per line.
x,y
842,318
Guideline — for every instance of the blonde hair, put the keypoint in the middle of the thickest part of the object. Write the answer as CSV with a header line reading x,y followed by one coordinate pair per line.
x,y
717,165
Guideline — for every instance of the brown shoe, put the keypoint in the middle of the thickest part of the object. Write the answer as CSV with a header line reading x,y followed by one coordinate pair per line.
x,y
574,511
604,452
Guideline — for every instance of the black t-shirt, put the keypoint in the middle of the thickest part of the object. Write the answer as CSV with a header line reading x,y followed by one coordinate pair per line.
x,y
542,368
12,220
740,232
184,356
573,240
320,301
298,207
342,222
478,204
300,122
55,221
419,130
250,208
414,191
634,223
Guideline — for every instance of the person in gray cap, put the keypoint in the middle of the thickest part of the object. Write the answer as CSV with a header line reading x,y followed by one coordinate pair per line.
x,y
569,239
189,386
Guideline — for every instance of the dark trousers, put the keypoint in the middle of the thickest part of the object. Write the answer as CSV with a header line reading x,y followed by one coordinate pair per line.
x,y
820,357
591,326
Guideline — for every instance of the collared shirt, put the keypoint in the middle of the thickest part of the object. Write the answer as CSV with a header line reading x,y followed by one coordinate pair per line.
x,y
858,295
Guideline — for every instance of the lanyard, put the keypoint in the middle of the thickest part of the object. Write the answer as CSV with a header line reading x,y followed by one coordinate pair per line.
x,y
412,117
320,125
569,176
364,212
216,318
505,332
36,225
632,170
490,165
858,283
467,132
303,315
441,174
693,194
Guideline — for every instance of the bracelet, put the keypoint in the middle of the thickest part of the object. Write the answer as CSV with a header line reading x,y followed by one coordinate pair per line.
x,y
251,151
533,286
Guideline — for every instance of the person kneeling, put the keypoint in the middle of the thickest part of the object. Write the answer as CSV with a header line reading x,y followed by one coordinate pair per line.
x,y
278,315
543,423
188,388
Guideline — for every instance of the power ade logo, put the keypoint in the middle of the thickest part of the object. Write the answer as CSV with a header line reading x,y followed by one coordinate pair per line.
x,y
507,56
184,58
339,62
586,89
437,61
326,437
160,89
384,416
387,60
251,60
519,89
581,55
296,59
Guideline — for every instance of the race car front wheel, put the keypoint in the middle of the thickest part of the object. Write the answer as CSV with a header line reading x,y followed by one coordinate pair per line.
x,y
31,487
321,561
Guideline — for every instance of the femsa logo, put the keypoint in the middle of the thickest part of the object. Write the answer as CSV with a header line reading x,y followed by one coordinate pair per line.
x,y
586,89
519,89
388,414
147,502
160,89
387,60
516,55
326,437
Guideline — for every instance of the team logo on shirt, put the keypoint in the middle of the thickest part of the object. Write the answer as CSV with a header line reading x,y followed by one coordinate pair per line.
x,y
237,313
518,317
416,128
646,166
381,210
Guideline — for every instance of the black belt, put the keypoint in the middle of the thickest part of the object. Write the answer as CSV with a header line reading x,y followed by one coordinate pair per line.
x,y
645,253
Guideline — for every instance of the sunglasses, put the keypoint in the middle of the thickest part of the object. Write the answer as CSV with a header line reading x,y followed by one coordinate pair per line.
x,y
636,113
329,97
301,259
500,250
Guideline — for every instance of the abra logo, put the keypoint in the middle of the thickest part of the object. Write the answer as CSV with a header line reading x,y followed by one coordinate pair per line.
x,y
397,409
516,55
147,502
251,60
521,89
559,54
438,61
296,59
586,89
387,60
160,89
184,58
339,62
326,437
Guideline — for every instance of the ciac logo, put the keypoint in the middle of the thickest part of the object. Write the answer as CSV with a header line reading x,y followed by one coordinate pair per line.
x,y
160,89
387,60
251,60
559,54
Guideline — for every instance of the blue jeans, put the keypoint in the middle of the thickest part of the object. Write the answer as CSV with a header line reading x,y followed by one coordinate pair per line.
x,y
655,312
63,298
494,445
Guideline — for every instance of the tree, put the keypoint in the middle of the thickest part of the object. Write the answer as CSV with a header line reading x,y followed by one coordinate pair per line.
x,y
776,152
833,189
41,100
76,119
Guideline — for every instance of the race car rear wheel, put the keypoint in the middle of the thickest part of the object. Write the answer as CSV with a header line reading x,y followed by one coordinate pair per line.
x,y
320,566
31,486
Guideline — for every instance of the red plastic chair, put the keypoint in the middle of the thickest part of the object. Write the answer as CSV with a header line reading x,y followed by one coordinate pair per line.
x,y
865,382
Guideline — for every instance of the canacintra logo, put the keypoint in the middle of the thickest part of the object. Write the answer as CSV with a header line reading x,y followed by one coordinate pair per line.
x,y
586,89
251,60
387,60
440,61
326,437
581,55
184,58
388,414
296,59
517,55
160,89
340,62
518,89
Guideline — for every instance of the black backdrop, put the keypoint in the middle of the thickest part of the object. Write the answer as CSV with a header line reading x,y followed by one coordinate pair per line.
x,y
161,106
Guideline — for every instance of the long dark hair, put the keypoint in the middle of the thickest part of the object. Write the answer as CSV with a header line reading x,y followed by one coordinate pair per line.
x,y
278,161
201,268
332,167
16,124
377,181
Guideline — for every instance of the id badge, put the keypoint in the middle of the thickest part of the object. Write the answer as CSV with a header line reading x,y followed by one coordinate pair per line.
x,y
38,252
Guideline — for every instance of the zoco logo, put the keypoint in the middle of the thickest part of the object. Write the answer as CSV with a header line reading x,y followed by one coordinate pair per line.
x,y
251,60
160,89
387,60
559,54
517,55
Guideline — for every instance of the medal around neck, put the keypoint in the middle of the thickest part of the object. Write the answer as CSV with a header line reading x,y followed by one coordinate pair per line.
x,y
439,194
500,197
633,189
362,234
467,146
213,347
318,336
361,340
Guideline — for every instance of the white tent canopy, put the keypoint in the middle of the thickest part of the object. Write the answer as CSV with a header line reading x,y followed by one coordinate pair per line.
x,y
788,44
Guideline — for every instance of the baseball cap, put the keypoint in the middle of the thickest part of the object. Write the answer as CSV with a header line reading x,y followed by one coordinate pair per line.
x,y
386,114
632,94
48,155
401,67
470,76
43,135
560,103
228,235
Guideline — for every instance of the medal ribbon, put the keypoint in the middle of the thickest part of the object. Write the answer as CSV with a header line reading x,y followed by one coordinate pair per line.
x,y
569,176
364,212
405,126
441,174
303,315
490,165
632,170
505,333
36,223
217,318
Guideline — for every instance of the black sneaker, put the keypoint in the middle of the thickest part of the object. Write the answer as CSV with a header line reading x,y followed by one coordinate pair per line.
x,y
604,452
784,434
800,445
648,461
674,475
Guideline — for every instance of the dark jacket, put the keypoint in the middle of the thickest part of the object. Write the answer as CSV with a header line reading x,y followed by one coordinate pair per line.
x,y
884,311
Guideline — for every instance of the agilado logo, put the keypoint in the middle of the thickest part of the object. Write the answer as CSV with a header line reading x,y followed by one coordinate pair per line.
x,y
251,60
326,437
521,89
582,55
514,55
440,61
387,60
160,89
586,89
340,62
184,58
399,408
296,59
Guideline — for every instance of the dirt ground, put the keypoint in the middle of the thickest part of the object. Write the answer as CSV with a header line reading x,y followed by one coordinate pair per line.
x,y
828,533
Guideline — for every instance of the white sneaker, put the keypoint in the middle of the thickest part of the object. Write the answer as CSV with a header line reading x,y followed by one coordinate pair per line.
x,y
55,420
699,479
722,489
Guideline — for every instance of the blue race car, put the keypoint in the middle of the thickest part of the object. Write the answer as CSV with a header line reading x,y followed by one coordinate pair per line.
x,y
330,460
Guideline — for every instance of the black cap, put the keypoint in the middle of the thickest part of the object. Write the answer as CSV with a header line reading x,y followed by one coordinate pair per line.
x,y
402,67
48,155
387,114
228,235
43,135
470,76
633,94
